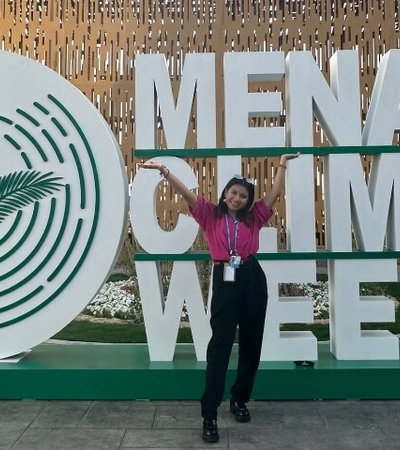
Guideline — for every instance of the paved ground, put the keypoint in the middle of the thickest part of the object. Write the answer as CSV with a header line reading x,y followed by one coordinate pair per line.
x,y
87,425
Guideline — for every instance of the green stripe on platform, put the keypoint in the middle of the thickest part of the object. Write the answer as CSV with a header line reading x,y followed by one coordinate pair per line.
x,y
124,372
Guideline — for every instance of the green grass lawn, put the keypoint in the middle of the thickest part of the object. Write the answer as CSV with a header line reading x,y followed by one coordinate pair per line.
x,y
86,331
123,333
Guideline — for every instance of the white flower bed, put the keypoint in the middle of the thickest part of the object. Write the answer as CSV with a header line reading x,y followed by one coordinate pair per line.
x,y
319,293
117,299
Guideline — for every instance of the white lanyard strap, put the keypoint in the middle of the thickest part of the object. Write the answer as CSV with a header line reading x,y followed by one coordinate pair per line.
x,y
235,239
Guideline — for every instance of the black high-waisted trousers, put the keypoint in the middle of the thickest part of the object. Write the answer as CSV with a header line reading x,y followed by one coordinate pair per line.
x,y
244,303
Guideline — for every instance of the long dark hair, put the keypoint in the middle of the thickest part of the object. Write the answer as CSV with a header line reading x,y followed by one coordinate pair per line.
x,y
244,215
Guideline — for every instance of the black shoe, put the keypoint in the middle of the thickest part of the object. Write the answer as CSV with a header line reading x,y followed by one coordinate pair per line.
x,y
210,430
240,411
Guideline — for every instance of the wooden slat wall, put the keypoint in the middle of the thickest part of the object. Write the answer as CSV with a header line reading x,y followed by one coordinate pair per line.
x,y
93,45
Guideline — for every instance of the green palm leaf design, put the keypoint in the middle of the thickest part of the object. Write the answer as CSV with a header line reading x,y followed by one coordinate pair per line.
x,y
20,189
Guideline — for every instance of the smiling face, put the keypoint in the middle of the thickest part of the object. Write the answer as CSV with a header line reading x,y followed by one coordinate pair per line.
x,y
236,198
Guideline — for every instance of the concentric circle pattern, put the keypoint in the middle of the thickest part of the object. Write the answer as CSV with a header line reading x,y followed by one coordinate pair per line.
x,y
63,203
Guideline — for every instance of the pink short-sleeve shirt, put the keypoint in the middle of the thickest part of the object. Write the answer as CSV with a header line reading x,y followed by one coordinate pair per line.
x,y
216,232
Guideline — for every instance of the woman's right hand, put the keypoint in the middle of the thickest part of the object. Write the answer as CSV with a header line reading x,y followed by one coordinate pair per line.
x,y
151,165
173,181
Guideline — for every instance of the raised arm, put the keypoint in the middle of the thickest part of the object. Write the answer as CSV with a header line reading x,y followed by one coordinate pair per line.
x,y
175,182
279,182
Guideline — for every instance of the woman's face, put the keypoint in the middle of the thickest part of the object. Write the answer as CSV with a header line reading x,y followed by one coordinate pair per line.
x,y
236,198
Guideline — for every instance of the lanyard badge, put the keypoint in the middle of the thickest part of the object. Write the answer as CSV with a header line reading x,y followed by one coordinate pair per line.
x,y
234,260
229,272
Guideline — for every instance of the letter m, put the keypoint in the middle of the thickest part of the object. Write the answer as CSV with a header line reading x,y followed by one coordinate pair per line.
x,y
154,97
372,210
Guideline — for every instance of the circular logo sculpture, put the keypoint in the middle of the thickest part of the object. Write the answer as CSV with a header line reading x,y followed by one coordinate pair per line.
x,y
63,203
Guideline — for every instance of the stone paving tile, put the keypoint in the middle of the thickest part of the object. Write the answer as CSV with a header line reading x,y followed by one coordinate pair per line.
x,y
284,413
348,435
62,414
15,417
71,439
184,416
300,437
8,437
180,416
391,431
171,438
20,411
120,414
391,409
159,402
360,413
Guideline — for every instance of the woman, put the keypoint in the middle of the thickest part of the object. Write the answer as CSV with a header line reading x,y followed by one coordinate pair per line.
x,y
239,288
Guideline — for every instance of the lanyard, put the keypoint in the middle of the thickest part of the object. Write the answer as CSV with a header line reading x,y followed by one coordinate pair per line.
x,y
235,239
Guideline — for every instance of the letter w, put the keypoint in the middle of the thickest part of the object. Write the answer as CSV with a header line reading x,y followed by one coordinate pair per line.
x,y
162,317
